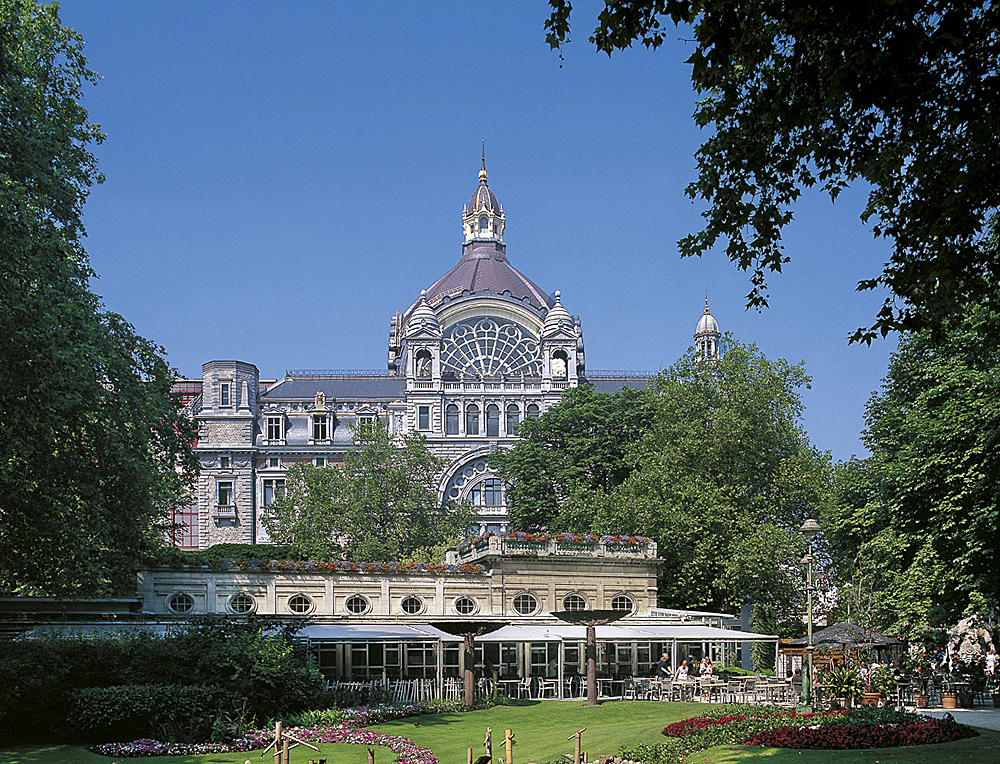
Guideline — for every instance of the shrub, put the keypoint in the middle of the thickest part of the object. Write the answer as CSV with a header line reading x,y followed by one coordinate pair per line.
x,y
127,712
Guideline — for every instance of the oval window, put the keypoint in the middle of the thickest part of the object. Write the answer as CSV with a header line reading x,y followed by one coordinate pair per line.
x,y
525,604
465,606
574,602
181,603
411,605
241,604
621,602
300,603
357,605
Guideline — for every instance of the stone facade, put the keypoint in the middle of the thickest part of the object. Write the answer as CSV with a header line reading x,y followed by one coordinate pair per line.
x,y
482,349
501,579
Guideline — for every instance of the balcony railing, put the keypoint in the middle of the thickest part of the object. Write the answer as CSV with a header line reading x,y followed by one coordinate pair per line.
x,y
554,547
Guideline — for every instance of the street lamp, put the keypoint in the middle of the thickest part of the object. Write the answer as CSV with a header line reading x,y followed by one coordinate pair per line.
x,y
809,529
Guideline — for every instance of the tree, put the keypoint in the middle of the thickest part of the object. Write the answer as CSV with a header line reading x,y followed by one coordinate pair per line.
x,y
94,451
578,446
380,506
917,520
715,468
901,96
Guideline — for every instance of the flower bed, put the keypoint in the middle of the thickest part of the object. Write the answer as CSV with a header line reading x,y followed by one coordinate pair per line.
x,y
781,728
851,736
350,731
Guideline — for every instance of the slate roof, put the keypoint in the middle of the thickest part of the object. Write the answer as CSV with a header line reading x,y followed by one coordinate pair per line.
x,y
614,384
846,633
342,388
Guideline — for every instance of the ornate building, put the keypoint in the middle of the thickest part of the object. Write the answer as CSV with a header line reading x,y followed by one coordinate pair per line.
x,y
479,351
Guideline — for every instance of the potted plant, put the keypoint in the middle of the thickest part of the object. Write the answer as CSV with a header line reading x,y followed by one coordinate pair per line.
x,y
843,684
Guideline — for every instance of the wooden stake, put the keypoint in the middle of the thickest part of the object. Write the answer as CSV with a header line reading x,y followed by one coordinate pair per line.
x,y
509,746
469,757
371,756
284,752
578,735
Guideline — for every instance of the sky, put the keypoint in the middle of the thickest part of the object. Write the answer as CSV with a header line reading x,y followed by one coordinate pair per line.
x,y
282,178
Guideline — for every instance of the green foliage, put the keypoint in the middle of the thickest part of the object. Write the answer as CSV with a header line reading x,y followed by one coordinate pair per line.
x,y
257,669
381,505
914,526
842,682
214,555
327,717
577,447
712,464
800,93
94,451
128,712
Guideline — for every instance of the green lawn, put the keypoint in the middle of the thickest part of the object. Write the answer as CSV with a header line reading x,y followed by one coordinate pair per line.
x,y
541,729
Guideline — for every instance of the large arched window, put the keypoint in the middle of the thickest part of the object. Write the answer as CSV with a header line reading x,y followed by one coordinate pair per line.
x,y
484,224
490,347
472,420
492,421
513,419
486,493
532,411
451,419
560,364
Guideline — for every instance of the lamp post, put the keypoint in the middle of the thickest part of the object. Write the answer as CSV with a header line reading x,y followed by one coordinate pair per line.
x,y
809,529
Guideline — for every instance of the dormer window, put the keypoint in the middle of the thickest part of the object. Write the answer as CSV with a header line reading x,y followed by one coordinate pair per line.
x,y
320,429
484,225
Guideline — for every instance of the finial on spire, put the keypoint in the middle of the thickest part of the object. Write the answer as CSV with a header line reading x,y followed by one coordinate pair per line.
x,y
482,172
706,302
558,295
423,295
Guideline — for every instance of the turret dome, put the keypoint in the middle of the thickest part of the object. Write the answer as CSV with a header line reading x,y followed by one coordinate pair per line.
x,y
557,318
706,323
423,318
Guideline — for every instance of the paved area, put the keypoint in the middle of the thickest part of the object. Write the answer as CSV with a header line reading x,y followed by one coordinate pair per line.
x,y
974,717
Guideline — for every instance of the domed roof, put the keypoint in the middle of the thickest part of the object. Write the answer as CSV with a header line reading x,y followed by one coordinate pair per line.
x,y
423,317
558,317
483,199
707,324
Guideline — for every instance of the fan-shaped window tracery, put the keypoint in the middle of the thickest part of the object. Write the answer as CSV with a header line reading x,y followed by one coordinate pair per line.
x,y
491,347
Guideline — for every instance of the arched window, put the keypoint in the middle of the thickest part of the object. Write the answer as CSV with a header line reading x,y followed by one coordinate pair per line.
x,y
492,421
532,411
472,420
513,419
423,363
559,364
451,419
484,224
486,493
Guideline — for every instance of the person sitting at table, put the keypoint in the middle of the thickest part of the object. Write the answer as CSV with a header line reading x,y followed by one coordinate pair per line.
x,y
681,675
797,681
663,667
705,670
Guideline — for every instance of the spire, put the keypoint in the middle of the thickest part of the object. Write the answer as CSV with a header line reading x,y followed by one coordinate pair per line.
x,y
482,172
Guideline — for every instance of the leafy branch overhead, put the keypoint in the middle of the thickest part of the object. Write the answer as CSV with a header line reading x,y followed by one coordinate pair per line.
x,y
900,96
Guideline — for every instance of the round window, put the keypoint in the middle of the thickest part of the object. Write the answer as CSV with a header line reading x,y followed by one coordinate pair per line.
x,y
465,606
242,604
574,602
181,603
621,602
357,604
300,603
411,605
525,604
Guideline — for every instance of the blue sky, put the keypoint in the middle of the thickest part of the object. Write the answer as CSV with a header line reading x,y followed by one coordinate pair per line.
x,y
282,178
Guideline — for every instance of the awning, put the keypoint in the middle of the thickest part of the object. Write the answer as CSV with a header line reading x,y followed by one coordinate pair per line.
x,y
699,633
374,632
